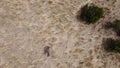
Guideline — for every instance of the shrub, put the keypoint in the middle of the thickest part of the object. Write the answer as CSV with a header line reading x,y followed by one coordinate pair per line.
x,y
113,45
91,14
118,32
116,24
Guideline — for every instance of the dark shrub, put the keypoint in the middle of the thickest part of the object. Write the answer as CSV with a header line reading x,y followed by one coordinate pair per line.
x,y
91,14
113,45
118,32
108,25
116,24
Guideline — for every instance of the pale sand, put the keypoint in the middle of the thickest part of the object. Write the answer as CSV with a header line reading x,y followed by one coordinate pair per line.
x,y
27,26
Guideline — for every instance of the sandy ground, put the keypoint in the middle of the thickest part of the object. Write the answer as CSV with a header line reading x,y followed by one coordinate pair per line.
x,y
27,26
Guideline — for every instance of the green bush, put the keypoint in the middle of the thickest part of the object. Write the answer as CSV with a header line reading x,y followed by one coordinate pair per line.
x,y
116,24
91,14
113,45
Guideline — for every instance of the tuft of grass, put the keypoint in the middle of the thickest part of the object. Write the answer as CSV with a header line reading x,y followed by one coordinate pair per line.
x,y
91,14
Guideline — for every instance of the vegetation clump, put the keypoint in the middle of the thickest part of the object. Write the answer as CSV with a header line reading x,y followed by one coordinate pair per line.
x,y
116,26
113,45
91,14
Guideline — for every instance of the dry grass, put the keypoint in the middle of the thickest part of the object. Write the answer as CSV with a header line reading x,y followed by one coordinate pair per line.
x,y
27,26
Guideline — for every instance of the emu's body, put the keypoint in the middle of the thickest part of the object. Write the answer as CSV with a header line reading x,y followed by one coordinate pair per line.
x,y
46,50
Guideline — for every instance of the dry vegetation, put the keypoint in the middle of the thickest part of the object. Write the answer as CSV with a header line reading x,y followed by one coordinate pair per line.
x,y
28,26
